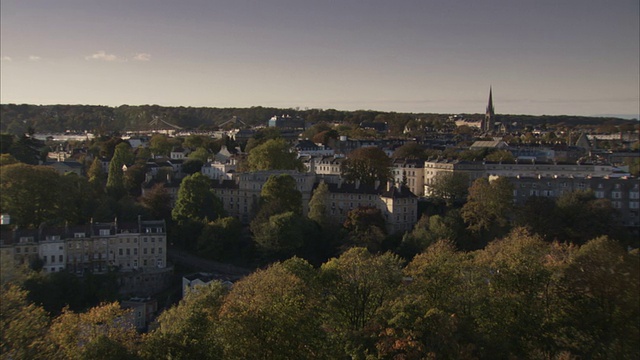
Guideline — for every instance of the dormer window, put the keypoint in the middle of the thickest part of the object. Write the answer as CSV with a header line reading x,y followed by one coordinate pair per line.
x,y
78,235
104,232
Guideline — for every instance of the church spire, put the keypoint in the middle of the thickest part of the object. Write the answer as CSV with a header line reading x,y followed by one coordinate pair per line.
x,y
489,117
490,104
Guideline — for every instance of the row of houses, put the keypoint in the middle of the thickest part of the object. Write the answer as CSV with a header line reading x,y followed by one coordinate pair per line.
x,y
398,205
97,247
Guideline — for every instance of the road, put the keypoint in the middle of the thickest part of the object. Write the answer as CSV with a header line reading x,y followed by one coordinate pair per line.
x,y
182,257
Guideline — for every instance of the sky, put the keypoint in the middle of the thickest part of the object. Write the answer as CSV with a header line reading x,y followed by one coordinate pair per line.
x,y
572,57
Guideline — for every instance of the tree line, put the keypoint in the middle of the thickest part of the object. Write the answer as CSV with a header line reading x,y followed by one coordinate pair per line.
x,y
17,118
520,297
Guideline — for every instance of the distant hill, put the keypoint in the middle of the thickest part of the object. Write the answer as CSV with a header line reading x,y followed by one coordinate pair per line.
x,y
16,119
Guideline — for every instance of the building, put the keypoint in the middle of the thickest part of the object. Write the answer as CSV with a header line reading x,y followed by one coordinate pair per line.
x,y
398,205
489,122
623,192
409,172
240,196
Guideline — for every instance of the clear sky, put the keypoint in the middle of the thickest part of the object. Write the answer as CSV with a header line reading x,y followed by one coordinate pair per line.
x,y
540,56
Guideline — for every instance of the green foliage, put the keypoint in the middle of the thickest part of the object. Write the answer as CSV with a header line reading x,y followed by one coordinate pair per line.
x,y
37,194
318,205
410,150
279,192
280,321
220,239
367,164
102,330
452,187
488,207
357,284
366,227
196,201
200,154
274,154
189,330
123,156
23,326
157,202
282,235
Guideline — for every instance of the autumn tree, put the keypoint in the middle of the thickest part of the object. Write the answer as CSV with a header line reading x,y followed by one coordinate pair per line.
x,y
23,326
601,280
189,329
105,327
357,284
272,314
367,164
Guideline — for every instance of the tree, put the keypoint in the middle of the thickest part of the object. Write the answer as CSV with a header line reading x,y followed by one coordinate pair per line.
x,y
488,207
367,164
279,192
501,156
318,205
366,227
200,154
80,335
601,280
410,150
357,284
30,194
274,154
272,314
23,326
282,235
115,179
157,201
96,175
161,144
192,166
196,201
452,187
189,329
220,239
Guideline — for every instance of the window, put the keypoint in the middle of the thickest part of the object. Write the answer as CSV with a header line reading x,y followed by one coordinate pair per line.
x,y
144,251
120,252
128,252
633,205
53,258
61,258
616,195
153,250
135,251
104,232
599,194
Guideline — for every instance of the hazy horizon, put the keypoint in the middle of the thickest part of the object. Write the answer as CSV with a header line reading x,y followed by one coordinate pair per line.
x,y
545,57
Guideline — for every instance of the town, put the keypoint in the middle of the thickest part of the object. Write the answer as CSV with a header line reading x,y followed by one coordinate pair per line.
x,y
174,208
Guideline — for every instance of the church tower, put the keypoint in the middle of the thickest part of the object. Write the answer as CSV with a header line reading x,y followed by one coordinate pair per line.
x,y
489,117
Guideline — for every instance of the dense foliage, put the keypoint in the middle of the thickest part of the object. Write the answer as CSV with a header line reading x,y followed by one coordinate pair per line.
x,y
16,119
520,297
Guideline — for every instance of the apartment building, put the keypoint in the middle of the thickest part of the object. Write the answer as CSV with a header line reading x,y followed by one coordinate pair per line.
x,y
409,172
95,247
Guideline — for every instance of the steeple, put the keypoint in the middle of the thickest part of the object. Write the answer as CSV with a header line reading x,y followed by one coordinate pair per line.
x,y
489,117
